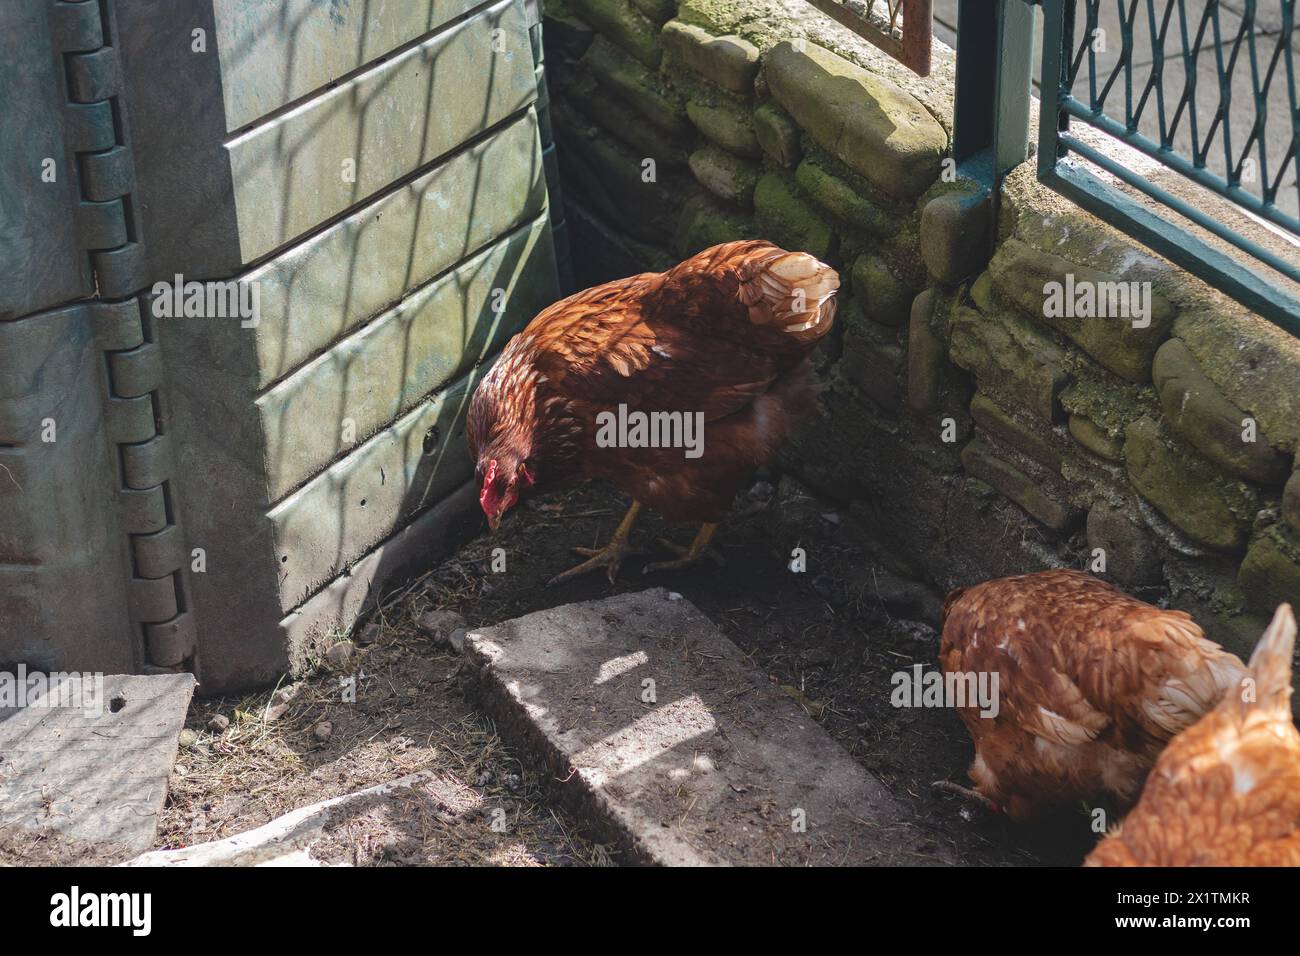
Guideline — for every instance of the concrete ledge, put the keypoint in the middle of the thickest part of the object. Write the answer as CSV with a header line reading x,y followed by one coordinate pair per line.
x,y
654,725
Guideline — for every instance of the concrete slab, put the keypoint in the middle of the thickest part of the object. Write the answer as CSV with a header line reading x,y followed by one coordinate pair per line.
x,y
93,765
653,724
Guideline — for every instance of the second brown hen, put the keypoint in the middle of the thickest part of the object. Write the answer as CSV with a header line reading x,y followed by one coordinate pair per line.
x,y
1092,684
1226,792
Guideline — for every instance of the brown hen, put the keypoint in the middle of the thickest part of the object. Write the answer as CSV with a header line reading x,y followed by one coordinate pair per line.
x,y
724,337
1226,792
1092,684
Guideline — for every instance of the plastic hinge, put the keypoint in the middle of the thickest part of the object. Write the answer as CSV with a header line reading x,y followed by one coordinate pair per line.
x,y
117,324
90,126
153,599
148,463
535,41
107,175
159,554
94,76
121,271
130,421
144,512
75,27
137,372
171,642
102,225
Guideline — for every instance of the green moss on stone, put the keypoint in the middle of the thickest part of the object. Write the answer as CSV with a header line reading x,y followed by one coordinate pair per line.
x,y
839,198
1123,343
1009,357
884,298
777,134
869,123
789,221
727,124
1270,572
1109,403
1096,439
1256,364
1198,411
706,222
626,26
1210,509
638,87
729,61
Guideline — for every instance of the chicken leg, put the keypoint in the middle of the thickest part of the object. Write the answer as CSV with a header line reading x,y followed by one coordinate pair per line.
x,y
608,557
699,548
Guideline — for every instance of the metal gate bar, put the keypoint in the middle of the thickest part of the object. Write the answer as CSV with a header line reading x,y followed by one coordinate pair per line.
x,y
1062,60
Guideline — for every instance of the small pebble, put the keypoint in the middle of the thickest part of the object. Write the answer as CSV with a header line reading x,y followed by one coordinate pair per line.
x,y
218,723
323,731
674,596
440,624
456,640
339,655
188,738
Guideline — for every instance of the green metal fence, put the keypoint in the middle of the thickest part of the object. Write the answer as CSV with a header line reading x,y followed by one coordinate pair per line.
x,y
1206,89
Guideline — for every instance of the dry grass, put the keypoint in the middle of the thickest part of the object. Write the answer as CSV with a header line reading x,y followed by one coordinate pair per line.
x,y
408,715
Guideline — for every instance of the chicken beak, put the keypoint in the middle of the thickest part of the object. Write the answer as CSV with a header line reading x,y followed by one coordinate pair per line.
x,y
494,521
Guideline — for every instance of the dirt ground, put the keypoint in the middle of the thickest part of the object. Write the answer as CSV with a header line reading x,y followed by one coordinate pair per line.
x,y
831,637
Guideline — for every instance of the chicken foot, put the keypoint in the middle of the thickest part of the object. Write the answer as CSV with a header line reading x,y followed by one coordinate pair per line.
x,y
699,548
966,793
608,557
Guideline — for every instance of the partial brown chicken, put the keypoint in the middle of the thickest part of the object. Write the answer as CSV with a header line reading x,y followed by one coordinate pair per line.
x,y
1092,684
1226,792
724,338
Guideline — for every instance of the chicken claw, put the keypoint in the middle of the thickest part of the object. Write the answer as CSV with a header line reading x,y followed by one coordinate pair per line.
x,y
966,793
608,557
689,556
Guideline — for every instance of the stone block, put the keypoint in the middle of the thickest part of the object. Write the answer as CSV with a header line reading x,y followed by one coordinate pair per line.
x,y
777,134
873,126
1133,556
1204,417
956,235
1009,356
625,26
1210,510
729,61
1098,311
980,461
726,176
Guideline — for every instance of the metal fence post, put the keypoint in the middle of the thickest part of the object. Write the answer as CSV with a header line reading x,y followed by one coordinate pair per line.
x,y
995,53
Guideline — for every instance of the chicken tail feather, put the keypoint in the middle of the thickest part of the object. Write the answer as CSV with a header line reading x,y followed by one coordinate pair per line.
x,y
1270,664
792,290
